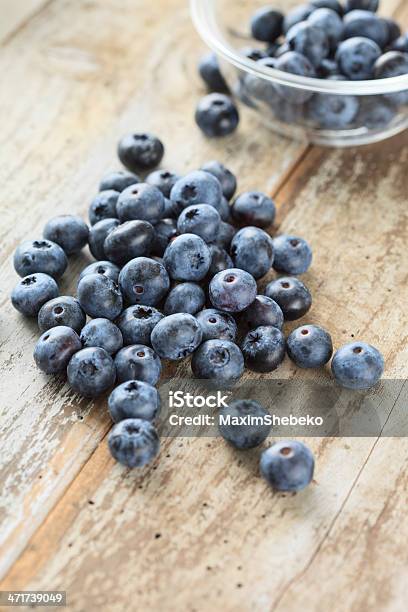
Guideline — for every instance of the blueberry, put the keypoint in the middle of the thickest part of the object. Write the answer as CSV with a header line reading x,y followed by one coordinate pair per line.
x,y
176,336
400,44
200,219
287,465
55,348
226,232
185,297
394,30
64,310
134,442
187,258
266,24
103,206
264,349
144,281
334,5
140,151
330,22
365,23
296,15
218,360
32,292
293,255
376,112
129,240
254,208
291,295
98,234
364,5
118,180
99,296
140,202
138,362
327,68
243,423
224,209
262,312
252,250
91,372
134,400
164,231
332,112
220,260
310,40
356,57
309,346
137,323
259,89
232,290
210,72
288,112
357,366
226,178
217,325
197,187
44,256
216,115
102,333
294,63
392,64
68,231
107,268
164,180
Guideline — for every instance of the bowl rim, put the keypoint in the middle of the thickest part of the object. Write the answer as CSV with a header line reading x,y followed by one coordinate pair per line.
x,y
203,17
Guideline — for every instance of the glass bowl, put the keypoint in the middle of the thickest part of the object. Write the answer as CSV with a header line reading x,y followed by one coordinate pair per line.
x,y
293,105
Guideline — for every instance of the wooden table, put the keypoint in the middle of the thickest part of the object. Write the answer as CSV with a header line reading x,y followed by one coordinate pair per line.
x,y
198,530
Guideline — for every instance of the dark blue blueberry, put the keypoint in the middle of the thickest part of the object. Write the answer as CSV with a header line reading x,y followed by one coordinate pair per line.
x,y
197,187
44,256
98,234
226,232
140,202
217,325
216,115
254,208
266,24
99,296
376,112
330,22
140,151
357,366
332,112
232,290
264,349
129,240
165,230
70,232
364,5
107,268
220,260
133,442
55,348
393,64
32,292
310,41
138,362
226,178
286,112
365,23
296,15
118,180
400,44
164,180
144,281
103,206
64,310
137,323
210,72
356,58
252,250
262,312
91,372
309,346
200,219
291,295
258,89
102,333
287,465
134,400
185,297
327,68
171,209
244,423
334,5
187,258
294,63
218,360
176,336
293,255
394,30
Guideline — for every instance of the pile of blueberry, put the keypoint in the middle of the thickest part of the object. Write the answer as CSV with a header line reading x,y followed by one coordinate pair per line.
x,y
324,39
176,271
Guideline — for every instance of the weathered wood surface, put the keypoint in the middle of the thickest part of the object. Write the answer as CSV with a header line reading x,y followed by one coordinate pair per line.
x,y
71,518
